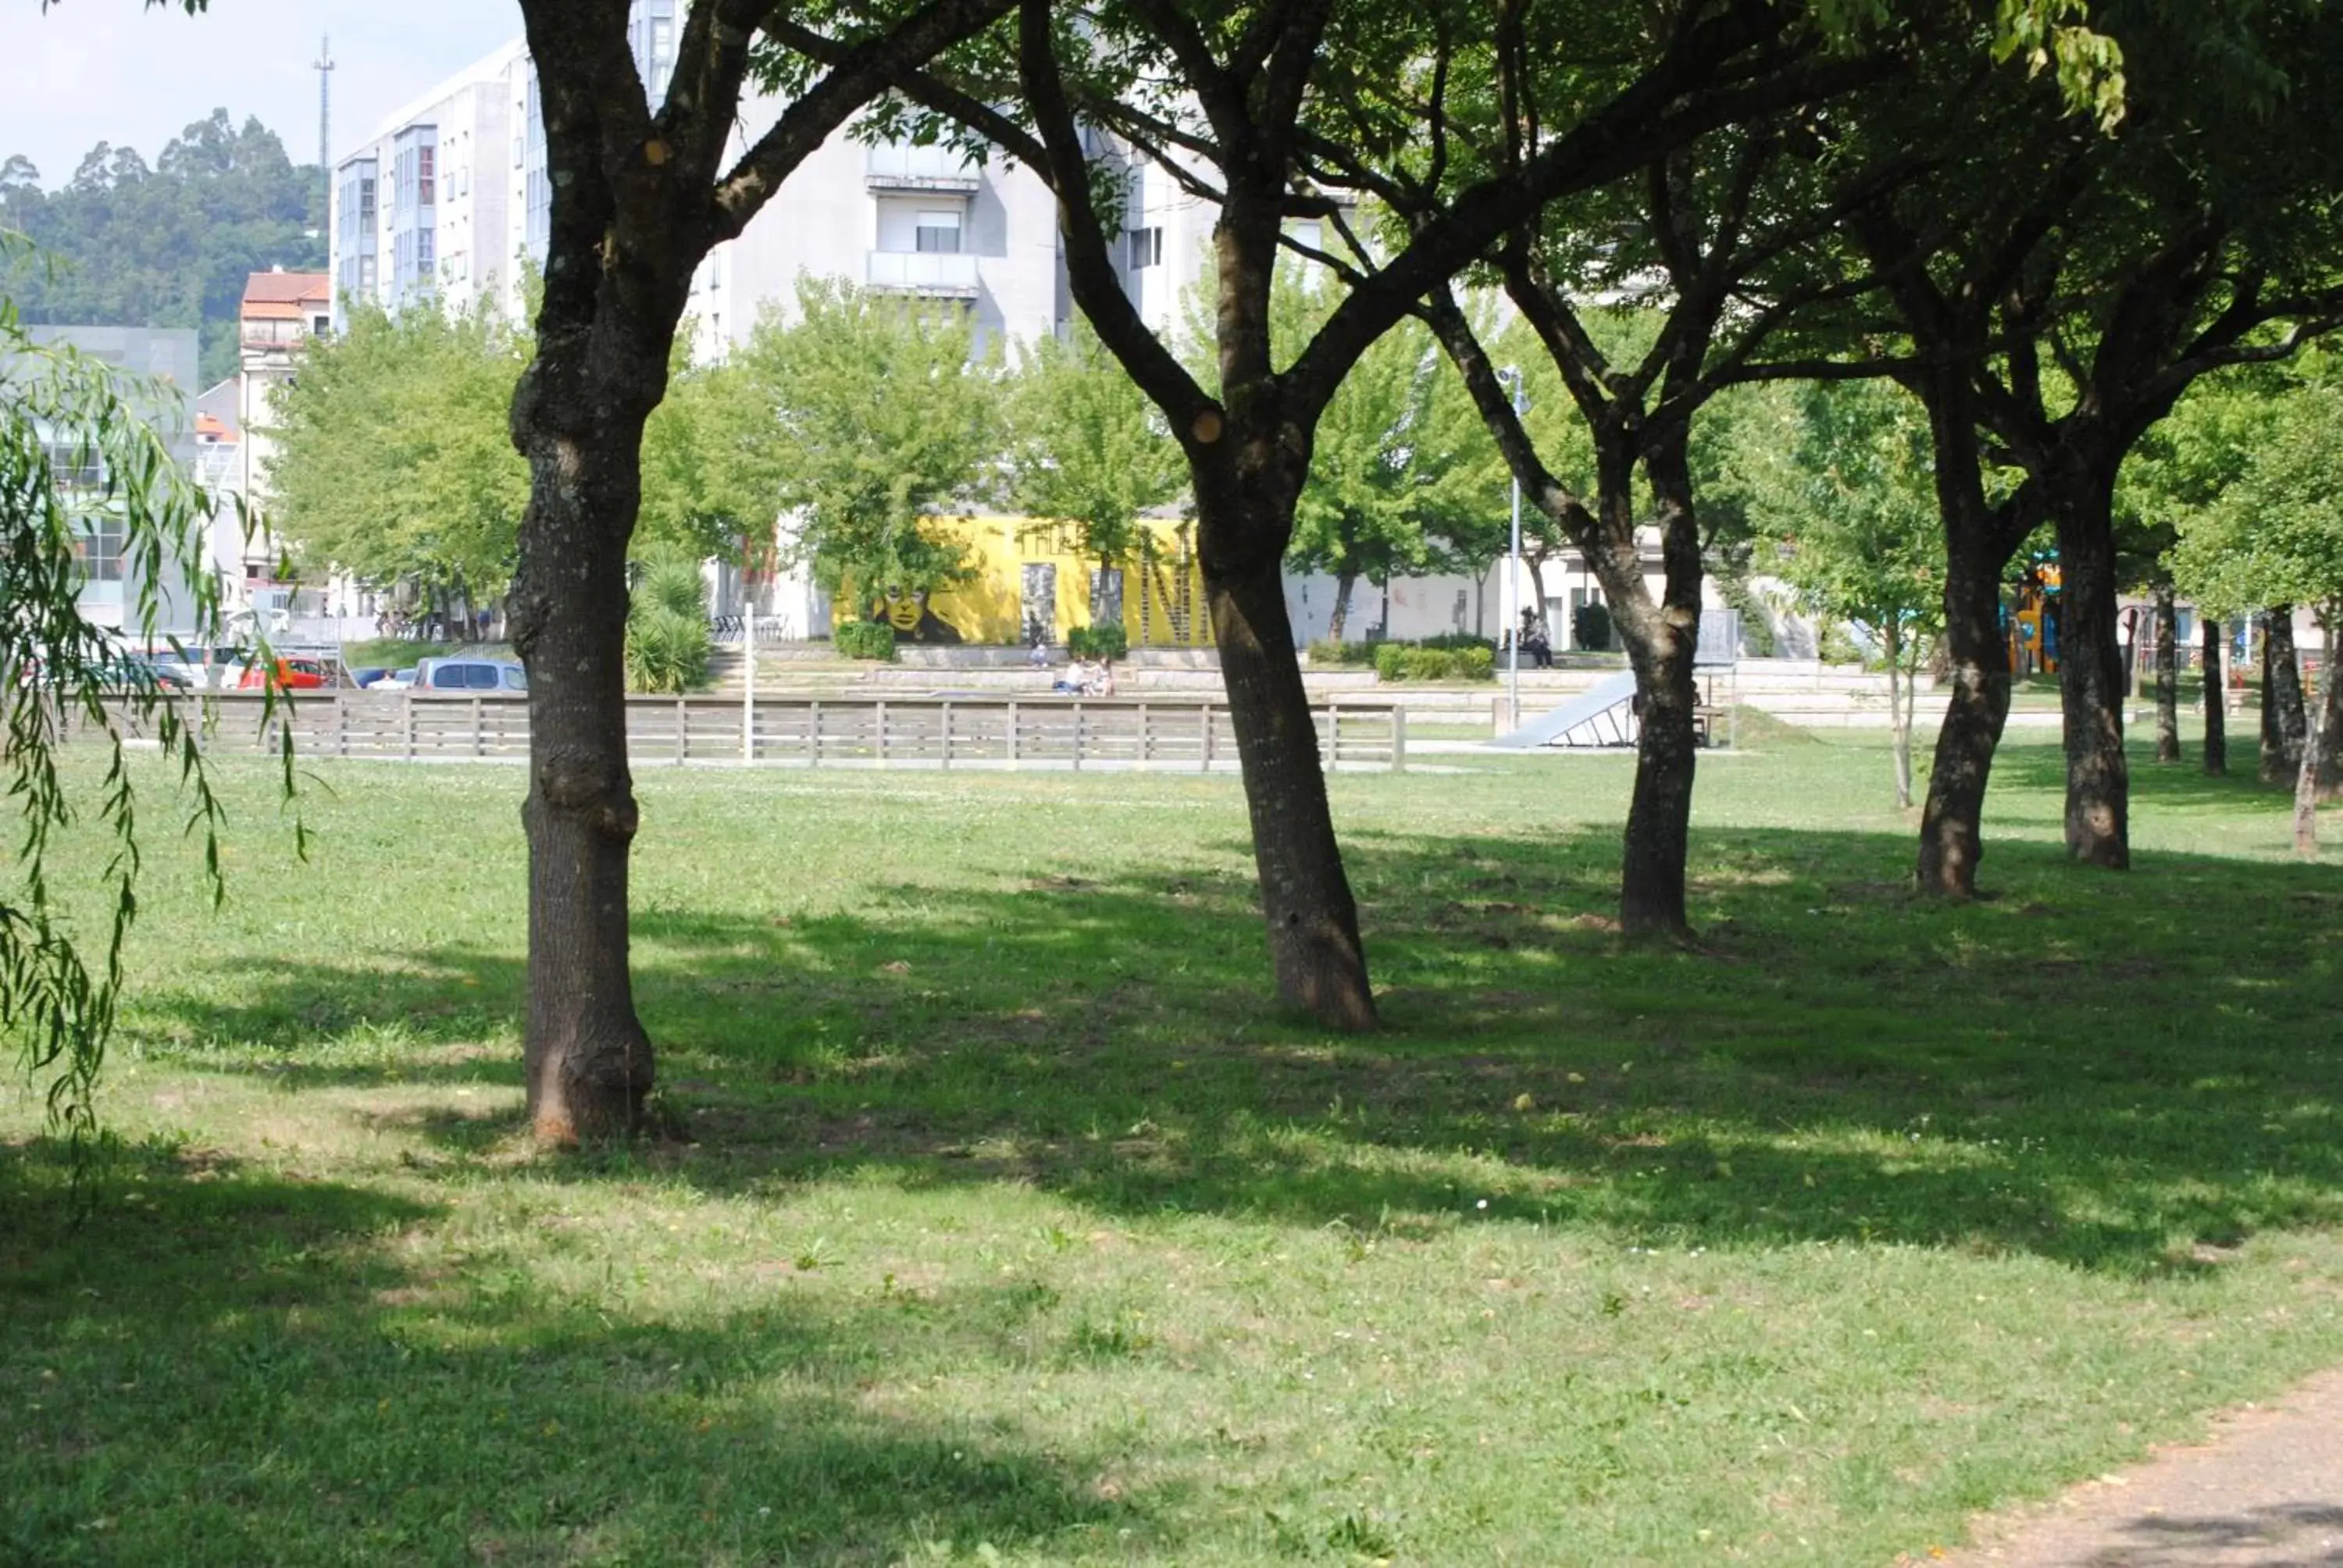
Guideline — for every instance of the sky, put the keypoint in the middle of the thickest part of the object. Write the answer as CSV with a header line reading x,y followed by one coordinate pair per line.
x,y
92,71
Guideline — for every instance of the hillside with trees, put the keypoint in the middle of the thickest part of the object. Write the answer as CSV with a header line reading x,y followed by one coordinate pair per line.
x,y
124,245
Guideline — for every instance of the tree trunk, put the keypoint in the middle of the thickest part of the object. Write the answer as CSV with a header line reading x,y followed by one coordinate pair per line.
x,y
1977,545
2283,719
1345,582
2167,677
2217,698
1320,963
1662,640
587,1060
2325,739
2091,675
2307,792
1900,692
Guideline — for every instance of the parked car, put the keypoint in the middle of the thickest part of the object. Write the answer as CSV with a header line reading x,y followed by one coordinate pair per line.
x,y
365,675
395,680
292,675
136,672
468,676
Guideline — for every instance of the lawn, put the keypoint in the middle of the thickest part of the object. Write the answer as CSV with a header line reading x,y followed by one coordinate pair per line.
x,y
1000,1220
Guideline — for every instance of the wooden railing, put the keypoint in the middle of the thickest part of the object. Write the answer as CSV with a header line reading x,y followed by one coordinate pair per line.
x,y
805,731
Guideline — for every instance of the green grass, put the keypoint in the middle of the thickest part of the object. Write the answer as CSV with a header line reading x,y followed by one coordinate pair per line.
x,y
1003,1220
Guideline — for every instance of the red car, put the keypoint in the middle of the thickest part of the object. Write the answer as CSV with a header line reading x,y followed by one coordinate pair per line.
x,y
292,675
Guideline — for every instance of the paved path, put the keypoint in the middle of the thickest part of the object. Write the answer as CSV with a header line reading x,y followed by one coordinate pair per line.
x,y
2266,1491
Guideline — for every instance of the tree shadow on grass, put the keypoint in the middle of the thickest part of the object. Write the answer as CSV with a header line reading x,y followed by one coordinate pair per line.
x,y
2122,1074
2157,786
213,1365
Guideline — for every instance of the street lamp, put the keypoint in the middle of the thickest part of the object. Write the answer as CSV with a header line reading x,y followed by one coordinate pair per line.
x,y
1516,386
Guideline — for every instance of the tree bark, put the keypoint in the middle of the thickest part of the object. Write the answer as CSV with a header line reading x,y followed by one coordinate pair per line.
x,y
2325,739
1662,640
1900,692
2091,674
2216,696
1345,582
2167,677
587,1060
2283,719
1315,952
1978,544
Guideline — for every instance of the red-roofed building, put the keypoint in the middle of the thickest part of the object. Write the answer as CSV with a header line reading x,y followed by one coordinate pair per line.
x,y
281,312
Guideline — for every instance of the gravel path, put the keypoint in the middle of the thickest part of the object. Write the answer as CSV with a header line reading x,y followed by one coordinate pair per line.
x,y
2265,1491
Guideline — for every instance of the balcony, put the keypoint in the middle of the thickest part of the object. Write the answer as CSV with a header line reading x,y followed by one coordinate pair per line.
x,y
901,167
945,275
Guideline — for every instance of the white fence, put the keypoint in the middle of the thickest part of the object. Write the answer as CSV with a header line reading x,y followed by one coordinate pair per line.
x,y
810,731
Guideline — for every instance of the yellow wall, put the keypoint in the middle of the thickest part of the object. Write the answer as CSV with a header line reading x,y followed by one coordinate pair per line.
x,y
988,608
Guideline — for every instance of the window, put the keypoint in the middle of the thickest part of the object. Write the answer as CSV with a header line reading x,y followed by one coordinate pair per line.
x,y
1146,247
938,233
424,185
1309,233
321,324
98,550
426,252
76,464
480,678
448,678
516,679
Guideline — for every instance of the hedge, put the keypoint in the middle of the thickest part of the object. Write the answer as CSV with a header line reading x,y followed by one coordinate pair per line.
x,y
865,640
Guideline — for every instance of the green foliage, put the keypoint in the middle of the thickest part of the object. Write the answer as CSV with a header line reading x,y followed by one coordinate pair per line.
x,y
1455,641
711,461
170,246
888,424
1086,445
1410,662
1402,473
83,445
1590,627
1106,640
1349,653
394,456
669,643
2254,482
873,639
1850,493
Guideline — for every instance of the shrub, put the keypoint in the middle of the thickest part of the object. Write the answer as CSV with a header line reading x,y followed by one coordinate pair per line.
x,y
667,652
1346,655
1458,641
667,641
1106,640
1402,661
873,639
1590,627
1837,646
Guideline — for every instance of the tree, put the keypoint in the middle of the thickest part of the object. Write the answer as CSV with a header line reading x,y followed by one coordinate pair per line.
x,y
1852,497
2167,249
1085,445
1401,472
1698,242
2171,480
2275,537
392,459
171,246
640,193
1259,112
888,424
85,448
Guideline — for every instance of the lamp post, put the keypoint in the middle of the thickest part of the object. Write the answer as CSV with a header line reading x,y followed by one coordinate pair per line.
x,y
1511,378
